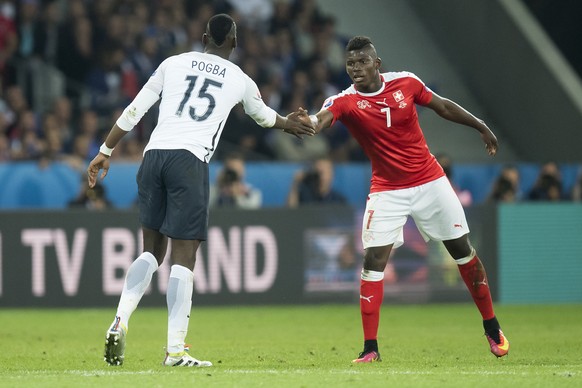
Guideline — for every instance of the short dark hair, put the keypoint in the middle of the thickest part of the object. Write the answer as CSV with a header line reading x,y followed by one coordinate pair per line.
x,y
219,26
358,42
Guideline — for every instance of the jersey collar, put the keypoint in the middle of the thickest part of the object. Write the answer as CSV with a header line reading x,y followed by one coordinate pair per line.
x,y
373,93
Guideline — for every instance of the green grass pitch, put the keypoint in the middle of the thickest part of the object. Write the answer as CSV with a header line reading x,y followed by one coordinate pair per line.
x,y
296,346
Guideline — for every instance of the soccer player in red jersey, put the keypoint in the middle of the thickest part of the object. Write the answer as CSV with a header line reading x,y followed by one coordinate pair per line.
x,y
379,109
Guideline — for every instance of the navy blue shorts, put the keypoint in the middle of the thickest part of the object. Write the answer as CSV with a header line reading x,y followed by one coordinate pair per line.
x,y
173,194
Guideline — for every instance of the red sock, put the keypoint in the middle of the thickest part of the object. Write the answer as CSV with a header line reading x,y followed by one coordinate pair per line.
x,y
475,278
371,296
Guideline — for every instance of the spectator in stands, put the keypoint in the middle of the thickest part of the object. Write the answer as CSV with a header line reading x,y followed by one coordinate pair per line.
x,y
8,43
314,186
506,186
167,33
4,148
76,9
306,18
281,19
62,108
502,191
112,82
330,47
447,164
195,28
244,136
231,189
577,188
25,141
89,127
146,58
292,149
16,104
91,198
4,141
76,53
320,80
284,59
548,185
132,149
48,33
255,13
511,173
28,23
54,139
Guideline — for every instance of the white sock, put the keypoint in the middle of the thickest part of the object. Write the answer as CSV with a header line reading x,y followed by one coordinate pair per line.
x,y
371,276
137,280
179,299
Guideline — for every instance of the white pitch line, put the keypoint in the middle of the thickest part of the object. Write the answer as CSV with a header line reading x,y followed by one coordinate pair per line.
x,y
351,371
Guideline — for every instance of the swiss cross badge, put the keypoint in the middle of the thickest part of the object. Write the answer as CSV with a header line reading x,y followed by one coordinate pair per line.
x,y
398,95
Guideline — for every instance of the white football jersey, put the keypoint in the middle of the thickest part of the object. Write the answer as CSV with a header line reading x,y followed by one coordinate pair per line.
x,y
198,91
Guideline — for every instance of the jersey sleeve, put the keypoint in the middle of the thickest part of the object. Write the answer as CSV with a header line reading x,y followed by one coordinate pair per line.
x,y
156,81
422,93
148,95
255,107
330,105
336,104
133,113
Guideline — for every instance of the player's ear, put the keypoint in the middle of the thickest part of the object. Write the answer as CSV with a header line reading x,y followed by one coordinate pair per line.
x,y
234,43
378,63
205,39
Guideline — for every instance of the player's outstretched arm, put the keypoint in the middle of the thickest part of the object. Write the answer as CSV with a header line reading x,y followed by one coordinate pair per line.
x,y
452,111
125,123
101,160
293,124
321,120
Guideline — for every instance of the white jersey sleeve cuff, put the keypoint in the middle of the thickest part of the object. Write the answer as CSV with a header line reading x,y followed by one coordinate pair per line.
x,y
266,118
137,109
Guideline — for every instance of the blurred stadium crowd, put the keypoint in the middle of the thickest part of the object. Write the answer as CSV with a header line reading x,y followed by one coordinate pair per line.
x,y
107,50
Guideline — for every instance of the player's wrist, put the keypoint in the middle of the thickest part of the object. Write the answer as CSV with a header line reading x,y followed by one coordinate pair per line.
x,y
284,126
106,150
314,120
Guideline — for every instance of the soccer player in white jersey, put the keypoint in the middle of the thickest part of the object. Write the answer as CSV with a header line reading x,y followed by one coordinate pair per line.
x,y
198,91
380,113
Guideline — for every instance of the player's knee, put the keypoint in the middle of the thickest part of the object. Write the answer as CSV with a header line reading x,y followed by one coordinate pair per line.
x,y
468,258
460,248
376,259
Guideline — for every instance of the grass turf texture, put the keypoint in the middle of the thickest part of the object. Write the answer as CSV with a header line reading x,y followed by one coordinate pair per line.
x,y
307,346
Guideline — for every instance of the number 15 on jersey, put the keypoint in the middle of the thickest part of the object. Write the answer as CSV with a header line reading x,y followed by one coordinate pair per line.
x,y
203,93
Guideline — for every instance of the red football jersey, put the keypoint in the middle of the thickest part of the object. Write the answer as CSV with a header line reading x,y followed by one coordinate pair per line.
x,y
385,123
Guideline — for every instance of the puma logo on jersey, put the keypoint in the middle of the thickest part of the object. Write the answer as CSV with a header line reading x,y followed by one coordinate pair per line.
x,y
367,298
382,102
